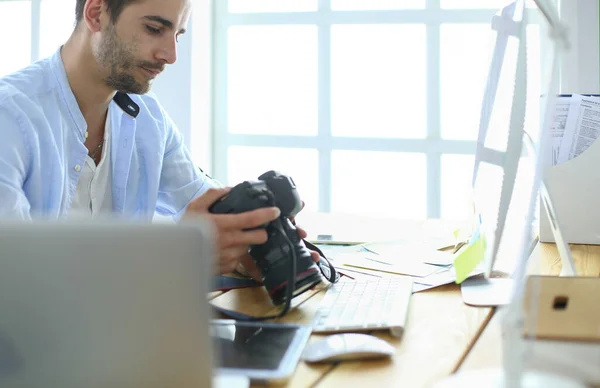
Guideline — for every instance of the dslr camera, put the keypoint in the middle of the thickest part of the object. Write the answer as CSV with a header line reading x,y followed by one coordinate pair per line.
x,y
284,258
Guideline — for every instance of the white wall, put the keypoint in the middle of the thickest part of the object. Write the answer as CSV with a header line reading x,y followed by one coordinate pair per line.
x,y
185,88
580,71
173,88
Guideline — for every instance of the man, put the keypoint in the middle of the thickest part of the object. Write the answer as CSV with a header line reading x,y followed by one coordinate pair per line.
x,y
80,135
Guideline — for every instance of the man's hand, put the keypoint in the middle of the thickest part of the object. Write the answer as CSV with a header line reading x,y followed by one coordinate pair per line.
x,y
233,238
302,233
315,255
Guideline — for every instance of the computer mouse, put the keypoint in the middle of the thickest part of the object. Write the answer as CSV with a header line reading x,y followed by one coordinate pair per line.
x,y
347,346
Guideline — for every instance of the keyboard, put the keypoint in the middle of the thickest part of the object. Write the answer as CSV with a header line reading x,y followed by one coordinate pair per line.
x,y
365,305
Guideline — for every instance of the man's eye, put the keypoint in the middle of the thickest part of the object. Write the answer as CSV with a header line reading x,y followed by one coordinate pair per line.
x,y
153,30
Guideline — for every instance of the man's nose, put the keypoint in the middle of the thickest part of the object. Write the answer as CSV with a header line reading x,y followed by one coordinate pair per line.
x,y
168,53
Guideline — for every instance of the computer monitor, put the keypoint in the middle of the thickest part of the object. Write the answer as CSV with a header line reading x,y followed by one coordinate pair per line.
x,y
507,175
500,138
518,148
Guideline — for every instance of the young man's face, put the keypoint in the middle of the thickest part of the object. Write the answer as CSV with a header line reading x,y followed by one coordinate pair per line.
x,y
134,50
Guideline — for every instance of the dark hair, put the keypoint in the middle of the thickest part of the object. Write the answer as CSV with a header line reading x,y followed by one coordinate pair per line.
x,y
115,7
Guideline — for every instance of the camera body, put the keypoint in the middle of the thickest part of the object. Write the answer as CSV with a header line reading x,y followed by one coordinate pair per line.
x,y
275,257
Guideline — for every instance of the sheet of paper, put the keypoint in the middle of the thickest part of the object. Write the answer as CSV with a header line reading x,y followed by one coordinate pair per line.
x,y
582,127
439,279
384,259
418,287
434,280
359,273
334,250
467,260
422,253
557,128
402,268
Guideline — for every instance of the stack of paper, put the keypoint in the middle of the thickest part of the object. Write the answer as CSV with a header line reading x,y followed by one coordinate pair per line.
x,y
427,266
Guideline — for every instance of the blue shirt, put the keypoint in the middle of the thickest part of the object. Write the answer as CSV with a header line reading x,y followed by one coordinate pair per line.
x,y
42,150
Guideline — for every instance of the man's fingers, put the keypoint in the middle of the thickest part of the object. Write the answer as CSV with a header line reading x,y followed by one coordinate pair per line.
x,y
230,257
315,256
239,237
301,232
250,266
246,220
203,202
228,261
227,266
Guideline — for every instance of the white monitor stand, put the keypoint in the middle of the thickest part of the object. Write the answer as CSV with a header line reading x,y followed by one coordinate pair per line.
x,y
513,373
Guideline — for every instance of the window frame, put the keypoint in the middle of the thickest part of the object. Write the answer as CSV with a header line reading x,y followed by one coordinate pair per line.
x,y
433,145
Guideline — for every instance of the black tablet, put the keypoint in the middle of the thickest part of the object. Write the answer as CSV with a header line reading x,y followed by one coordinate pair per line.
x,y
258,350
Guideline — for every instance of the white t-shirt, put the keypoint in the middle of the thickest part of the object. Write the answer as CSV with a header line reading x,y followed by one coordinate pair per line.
x,y
94,188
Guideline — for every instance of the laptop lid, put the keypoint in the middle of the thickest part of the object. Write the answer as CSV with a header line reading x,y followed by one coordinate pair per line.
x,y
105,305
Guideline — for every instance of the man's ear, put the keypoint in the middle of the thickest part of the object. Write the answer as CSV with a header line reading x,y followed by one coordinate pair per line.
x,y
94,12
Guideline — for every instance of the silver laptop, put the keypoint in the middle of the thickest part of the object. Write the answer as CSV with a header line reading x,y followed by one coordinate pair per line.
x,y
105,305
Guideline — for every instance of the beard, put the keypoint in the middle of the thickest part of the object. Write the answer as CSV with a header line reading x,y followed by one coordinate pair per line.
x,y
118,58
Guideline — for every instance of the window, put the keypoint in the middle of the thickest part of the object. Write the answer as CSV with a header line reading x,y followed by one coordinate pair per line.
x,y
371,106
33,29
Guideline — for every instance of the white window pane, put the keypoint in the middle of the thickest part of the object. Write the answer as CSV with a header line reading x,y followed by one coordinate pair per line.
x,y
453,4
248,163
466,51
15,30
378,81
272,80
250,6
57,23
457,189
475,4
379,183
354,5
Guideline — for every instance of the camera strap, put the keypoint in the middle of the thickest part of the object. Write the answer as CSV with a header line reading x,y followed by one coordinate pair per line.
x,y
327,270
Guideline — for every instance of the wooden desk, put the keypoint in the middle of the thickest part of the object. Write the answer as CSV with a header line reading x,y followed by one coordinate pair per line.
x,y
439,331
545,260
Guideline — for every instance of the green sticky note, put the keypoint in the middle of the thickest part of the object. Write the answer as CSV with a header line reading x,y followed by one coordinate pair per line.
x,y
468,259
456,233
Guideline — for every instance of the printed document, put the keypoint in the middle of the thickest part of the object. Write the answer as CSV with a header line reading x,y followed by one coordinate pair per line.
x,y
581,128
557,129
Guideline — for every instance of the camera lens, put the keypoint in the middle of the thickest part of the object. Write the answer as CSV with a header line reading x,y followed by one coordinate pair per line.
x,y
274,258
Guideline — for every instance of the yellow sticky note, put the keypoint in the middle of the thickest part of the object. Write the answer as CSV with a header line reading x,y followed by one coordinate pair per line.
x,y
468,259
